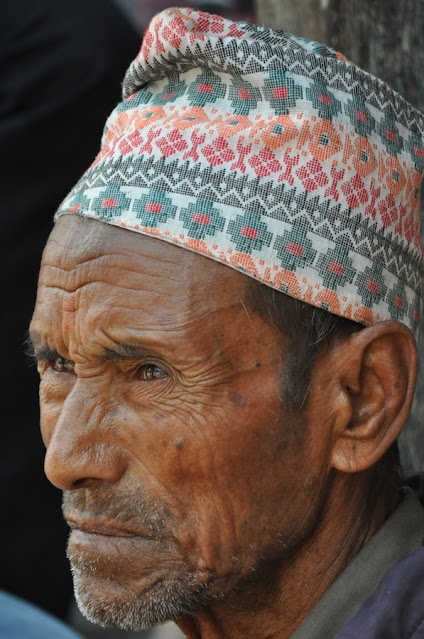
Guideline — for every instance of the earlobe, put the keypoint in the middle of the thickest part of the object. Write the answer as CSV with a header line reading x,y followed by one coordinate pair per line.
x,y
377,375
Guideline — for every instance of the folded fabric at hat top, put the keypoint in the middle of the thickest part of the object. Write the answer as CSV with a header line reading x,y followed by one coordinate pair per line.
x,y
271,154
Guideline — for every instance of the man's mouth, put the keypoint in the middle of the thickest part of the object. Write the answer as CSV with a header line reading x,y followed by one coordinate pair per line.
x,y
95,527
99,547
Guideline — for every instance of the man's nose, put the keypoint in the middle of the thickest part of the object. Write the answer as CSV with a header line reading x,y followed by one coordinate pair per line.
x,y
83,447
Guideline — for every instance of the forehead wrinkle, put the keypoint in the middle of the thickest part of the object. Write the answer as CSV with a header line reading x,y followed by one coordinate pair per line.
x,y
172,269
102,237
190,309
110,258
104,240
64,254
133,267
81,276
91,311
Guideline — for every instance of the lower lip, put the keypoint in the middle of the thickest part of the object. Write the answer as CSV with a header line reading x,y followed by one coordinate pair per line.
x,y
108,556
100,542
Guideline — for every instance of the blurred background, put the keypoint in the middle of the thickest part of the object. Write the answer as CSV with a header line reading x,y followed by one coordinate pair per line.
x,y
62,65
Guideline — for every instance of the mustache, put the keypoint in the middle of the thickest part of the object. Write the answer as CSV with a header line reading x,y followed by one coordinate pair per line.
x,y
128,507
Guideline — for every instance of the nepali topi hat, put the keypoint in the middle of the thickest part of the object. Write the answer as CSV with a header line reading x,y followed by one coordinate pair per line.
x,y
271,154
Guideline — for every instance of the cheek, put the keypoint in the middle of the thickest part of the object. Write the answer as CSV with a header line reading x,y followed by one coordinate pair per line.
x,y
210,463
53,392
180,451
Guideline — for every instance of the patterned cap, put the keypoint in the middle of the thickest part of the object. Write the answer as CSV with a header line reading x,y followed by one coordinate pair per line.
x,y
271,154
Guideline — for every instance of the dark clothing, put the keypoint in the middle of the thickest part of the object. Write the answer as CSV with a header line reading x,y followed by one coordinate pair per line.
x,y
62,64
344,607
396,610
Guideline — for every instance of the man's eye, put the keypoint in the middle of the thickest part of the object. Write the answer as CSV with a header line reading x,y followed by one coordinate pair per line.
x,y
150,372
62,365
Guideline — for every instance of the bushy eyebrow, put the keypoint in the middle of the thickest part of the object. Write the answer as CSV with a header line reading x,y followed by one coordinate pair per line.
x,y
37,350
129,351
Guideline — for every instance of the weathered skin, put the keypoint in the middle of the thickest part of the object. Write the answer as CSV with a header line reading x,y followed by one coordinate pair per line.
x,y
185,478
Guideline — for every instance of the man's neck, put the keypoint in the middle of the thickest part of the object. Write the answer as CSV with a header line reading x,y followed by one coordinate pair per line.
x,y
275,603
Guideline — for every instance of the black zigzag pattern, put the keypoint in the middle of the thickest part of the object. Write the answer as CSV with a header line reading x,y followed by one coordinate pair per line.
x,y
319,215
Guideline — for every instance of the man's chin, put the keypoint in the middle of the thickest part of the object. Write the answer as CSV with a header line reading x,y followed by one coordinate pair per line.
x,y
110,604
131,583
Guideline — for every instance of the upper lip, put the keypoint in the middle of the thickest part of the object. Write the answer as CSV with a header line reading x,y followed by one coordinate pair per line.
x,y
98,528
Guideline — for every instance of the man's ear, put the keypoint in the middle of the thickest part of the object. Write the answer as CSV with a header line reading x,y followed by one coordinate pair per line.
x,y
376,373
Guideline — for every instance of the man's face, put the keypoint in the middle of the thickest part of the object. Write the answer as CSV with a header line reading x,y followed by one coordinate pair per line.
x,y
161,411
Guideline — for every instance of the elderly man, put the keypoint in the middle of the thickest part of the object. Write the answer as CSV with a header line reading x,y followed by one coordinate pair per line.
x,y
223,419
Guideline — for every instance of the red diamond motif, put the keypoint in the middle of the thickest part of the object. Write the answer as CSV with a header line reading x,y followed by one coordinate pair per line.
x,y
355,191
372,286
324,98
153,207
249,232
312,175
109,203
201,218
218,152
205,88
169,95
294,249
336,267
244,94
280,92
388,210
264,163
360,115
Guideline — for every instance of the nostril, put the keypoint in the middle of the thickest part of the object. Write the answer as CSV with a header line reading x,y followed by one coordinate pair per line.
x,y
78,483
90,482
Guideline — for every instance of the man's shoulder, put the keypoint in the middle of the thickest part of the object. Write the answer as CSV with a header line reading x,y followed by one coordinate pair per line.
x,y
396,609
380,593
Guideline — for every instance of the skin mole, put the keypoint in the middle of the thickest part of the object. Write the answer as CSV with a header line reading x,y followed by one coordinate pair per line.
x,y
238,399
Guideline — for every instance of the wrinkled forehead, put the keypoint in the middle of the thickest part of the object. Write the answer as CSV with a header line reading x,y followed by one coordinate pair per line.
x,y
101,286
81,250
